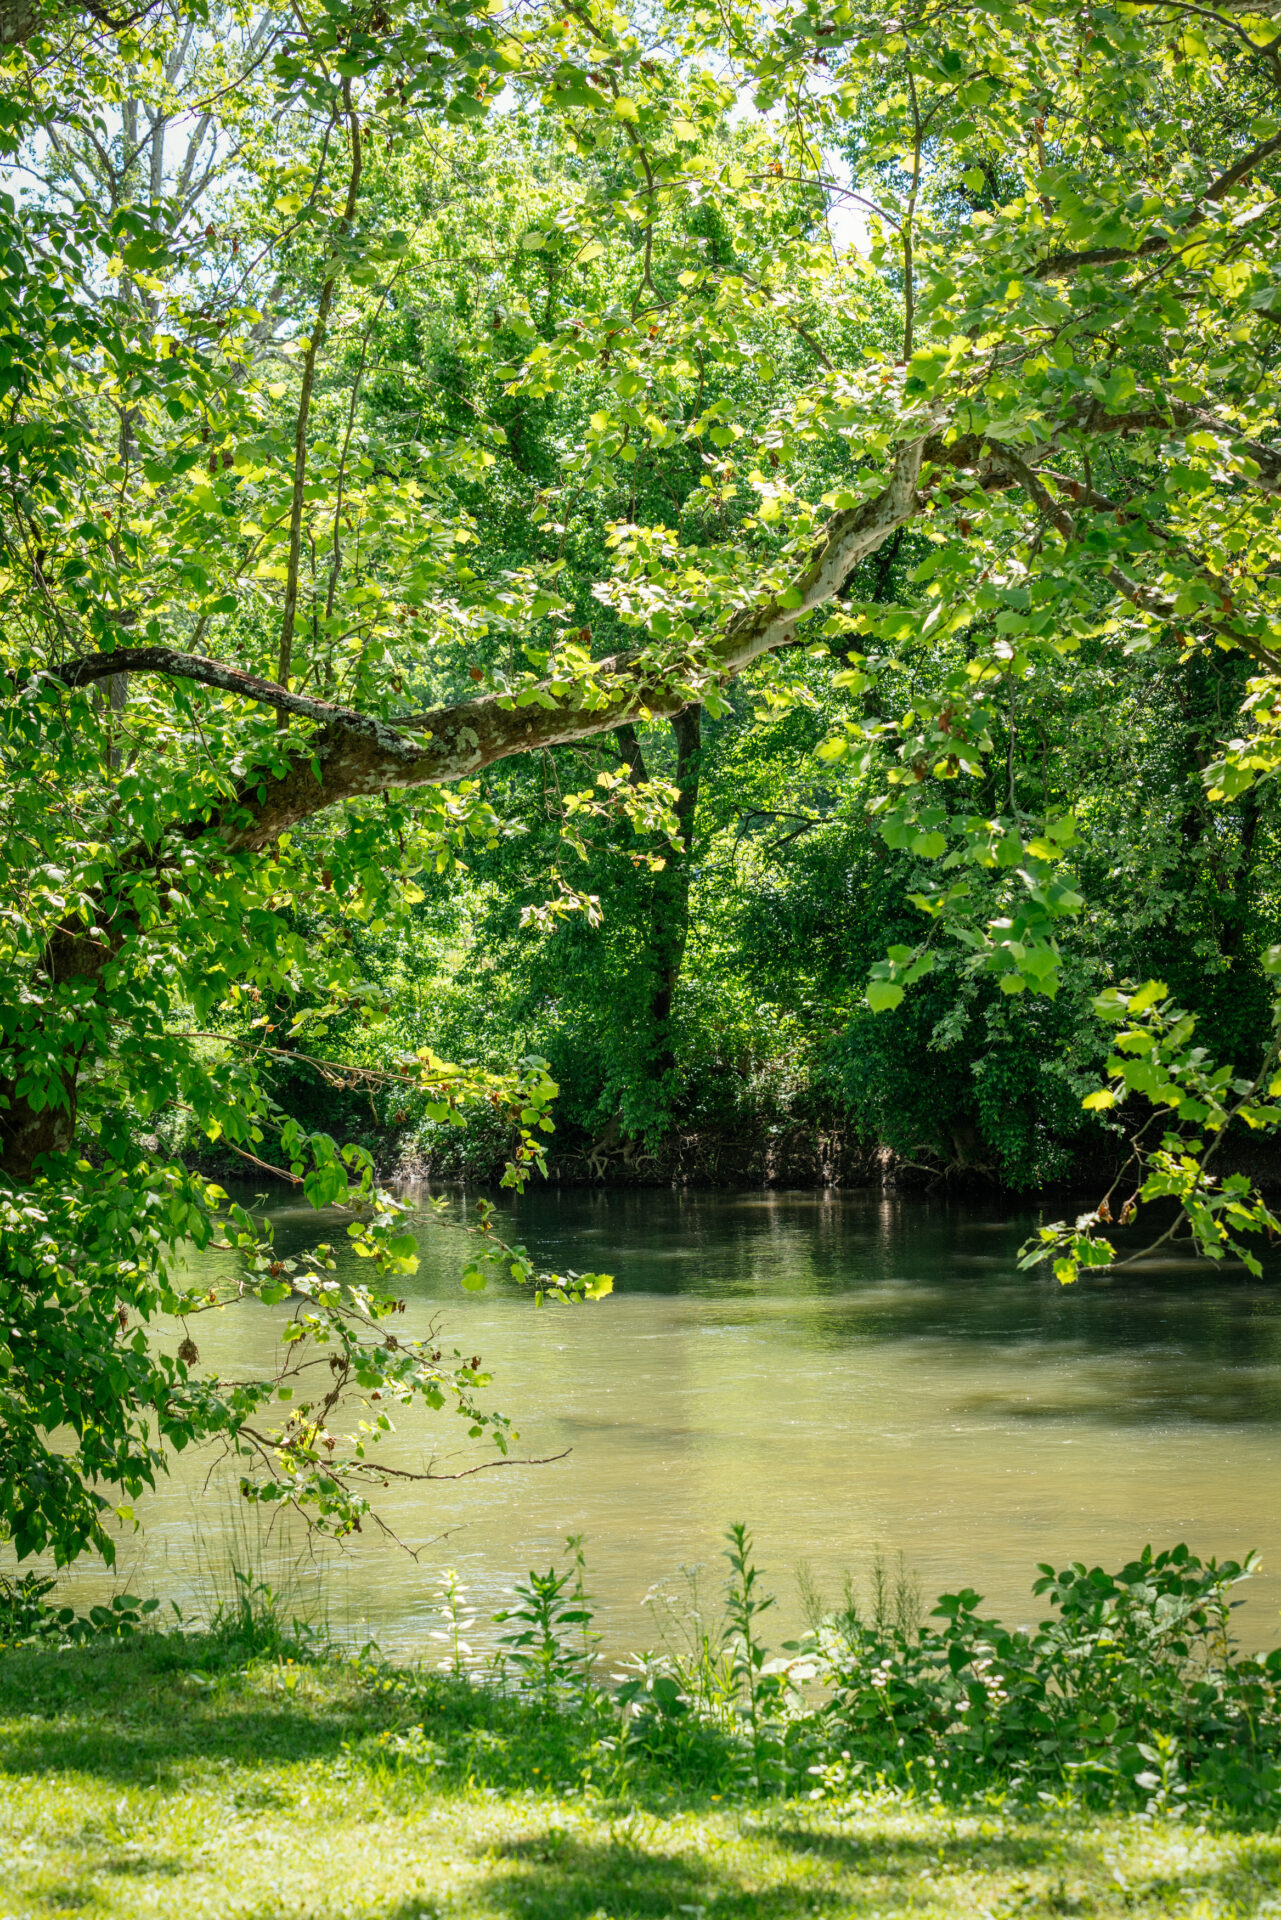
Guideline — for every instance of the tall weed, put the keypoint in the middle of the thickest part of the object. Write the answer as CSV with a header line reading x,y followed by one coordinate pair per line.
x,y
550,1644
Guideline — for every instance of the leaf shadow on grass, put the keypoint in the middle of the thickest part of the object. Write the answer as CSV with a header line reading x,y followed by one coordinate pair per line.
x,y
1243,1886
126,1714
903,1853
137,1866
564,1877
568,1878
67,1896
157,1755
151,1710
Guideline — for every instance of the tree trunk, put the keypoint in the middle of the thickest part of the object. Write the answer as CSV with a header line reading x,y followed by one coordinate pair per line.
x,y
669,902
1238,914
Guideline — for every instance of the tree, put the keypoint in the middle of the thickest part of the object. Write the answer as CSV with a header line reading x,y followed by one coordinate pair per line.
x,y
1071,233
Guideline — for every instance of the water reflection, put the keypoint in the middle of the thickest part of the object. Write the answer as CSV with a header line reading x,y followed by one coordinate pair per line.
x,y
842,1370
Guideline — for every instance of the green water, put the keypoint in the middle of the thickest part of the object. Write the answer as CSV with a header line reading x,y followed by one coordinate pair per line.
x,y
843,1371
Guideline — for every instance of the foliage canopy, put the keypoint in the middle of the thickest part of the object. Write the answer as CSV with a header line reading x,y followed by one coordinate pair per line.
x,y
392,393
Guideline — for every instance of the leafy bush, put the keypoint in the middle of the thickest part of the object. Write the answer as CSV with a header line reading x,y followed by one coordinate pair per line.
x,y
1133,1688
548,1645
28,1618
1131,1693
1133,1685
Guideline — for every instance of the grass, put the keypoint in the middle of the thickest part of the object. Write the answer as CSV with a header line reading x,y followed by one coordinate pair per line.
x,y
205,1775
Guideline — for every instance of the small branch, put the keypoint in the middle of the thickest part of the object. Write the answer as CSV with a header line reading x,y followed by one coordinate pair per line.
x,y
1268,50
335,567
1182,416
483,1466
93,667
280,1173
831,186
1147,599
1159,242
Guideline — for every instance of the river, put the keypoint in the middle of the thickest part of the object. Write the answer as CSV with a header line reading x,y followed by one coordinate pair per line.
x,y
846,1372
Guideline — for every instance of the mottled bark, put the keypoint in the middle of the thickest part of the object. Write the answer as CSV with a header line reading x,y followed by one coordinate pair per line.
x,y
355,756
19,20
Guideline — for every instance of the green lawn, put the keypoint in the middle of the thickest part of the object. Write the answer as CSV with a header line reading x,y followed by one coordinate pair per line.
x,y
187,1778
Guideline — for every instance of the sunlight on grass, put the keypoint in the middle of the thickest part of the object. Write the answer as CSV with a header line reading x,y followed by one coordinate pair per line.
x,y
195,1778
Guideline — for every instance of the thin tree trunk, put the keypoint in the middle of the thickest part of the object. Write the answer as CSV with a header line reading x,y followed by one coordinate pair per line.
x,y
669,902
1239,915
290,613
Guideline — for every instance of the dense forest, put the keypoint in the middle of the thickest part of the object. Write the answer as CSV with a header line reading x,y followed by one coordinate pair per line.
x,y
692,592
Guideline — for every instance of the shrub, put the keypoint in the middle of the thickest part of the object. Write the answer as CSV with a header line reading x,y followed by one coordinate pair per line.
x,y
1133,1685
28,1618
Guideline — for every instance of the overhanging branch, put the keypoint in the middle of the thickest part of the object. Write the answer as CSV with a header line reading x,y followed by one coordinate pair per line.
x,y
347,762
356,755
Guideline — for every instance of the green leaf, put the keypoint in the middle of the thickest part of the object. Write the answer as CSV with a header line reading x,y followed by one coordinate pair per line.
x,y
1119,389
929,845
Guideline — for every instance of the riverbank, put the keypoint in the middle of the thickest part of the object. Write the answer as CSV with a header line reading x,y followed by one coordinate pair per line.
x,y
209,1777
791,1155
772,1149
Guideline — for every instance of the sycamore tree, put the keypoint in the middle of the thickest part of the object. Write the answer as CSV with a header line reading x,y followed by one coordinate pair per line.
x,y
260,645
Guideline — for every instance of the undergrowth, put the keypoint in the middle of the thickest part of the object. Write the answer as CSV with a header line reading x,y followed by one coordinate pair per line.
x,y
888,1761
1132,1693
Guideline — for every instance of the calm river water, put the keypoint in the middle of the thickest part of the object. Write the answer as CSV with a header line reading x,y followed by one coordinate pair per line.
x,y
845,1372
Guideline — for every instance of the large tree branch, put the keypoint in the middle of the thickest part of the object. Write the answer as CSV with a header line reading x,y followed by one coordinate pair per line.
x,y
356,756
345,762
1177,413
